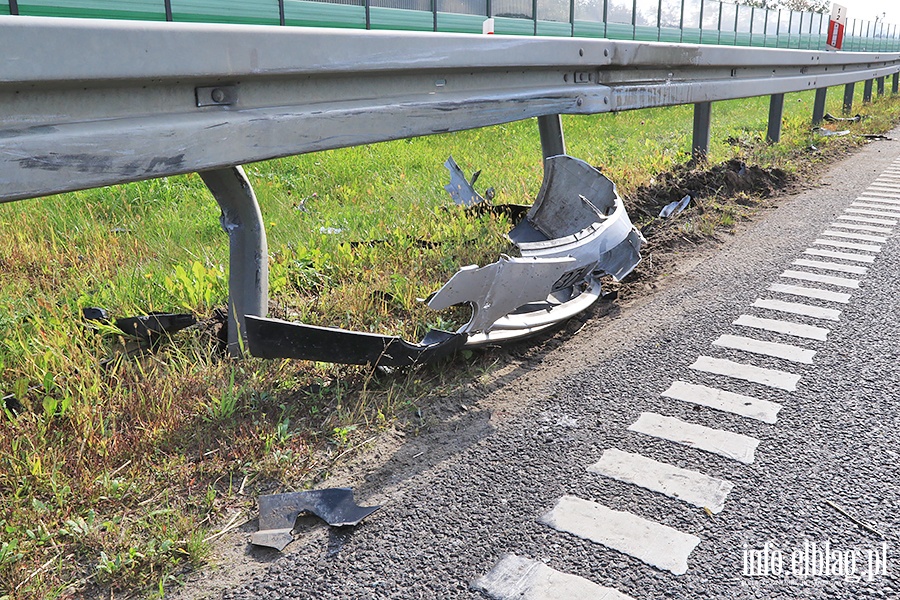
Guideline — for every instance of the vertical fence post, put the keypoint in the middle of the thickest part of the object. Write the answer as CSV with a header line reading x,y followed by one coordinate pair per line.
x,y
368,14
819,106
534,7
776,112
434,12
880,81
700,142
680,23
895,84
867,91
280,12
168,6
849,90
248,271
552,141
659,20
702,6
572,16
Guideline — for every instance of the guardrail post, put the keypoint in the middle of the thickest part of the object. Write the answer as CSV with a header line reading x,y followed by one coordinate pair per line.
x,y
880,81
368,5
776,112
895,84
849,90
700,143
867,91
248,271
819,106
552,141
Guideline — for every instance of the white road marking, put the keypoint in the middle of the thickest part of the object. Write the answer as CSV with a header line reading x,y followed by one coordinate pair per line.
x,y
889,209
866,211
830,266
797,290
724,443
880,192
864,258
517,578
854,227
809,332
657,545
773,349
688,486
889,184
795,308
829,279
745,406
881,200
867,220
770,377
863,237
849,245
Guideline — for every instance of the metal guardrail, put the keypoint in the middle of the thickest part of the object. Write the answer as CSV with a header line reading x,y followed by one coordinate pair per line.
x,y
87,103
681,21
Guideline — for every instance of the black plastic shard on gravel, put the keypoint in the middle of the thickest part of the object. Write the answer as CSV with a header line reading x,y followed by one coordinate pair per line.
x,y
278,512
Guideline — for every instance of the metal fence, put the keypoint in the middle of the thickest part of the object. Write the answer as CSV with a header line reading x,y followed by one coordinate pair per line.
x,y
688,21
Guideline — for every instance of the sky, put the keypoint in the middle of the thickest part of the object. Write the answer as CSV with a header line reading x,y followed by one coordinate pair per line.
x,y
868,9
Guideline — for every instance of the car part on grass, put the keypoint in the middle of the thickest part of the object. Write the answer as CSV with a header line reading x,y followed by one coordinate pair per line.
x,y
832,118
576,232
274,338
829,133
151,326
279,512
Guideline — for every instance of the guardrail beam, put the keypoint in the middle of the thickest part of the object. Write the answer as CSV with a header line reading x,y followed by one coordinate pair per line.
x,y
776,114
819,106
248,270
867,91
849,90
552,141
700,143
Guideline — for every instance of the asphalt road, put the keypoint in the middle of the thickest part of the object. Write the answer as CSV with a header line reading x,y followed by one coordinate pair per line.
x,y
486,489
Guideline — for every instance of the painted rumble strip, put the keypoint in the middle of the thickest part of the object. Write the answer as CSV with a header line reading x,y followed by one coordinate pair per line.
x,y
849,245
815,277
883,207
796,290
770,377
863,258
884,230
738,404
800,330
866,211
657,545
773,349
517,578
830,266
855,236
880,192
881,203
724,443
795,308
867,220
688,486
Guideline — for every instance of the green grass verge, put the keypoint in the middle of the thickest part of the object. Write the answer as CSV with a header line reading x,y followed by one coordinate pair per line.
x,y
118,470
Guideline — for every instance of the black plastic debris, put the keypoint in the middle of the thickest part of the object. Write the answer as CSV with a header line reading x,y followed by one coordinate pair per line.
x,y
274,338
279,512
150,327
93,313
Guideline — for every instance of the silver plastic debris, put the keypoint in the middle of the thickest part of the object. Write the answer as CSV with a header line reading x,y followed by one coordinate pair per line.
x,y
674,208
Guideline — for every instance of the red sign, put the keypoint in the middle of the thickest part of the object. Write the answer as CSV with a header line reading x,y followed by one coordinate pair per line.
x,y
835,35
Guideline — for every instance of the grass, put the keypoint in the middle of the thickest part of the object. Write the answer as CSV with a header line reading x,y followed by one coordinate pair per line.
x,y
116,469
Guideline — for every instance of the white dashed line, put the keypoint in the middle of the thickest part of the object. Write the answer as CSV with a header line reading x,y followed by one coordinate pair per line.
x,y
656,544
849,245
809,332
688,486
830,266
738,404
854,227
795,308
797,290
517,578
773,349
866,211
863,237
867,220
863,258
724,443
770,377
817,278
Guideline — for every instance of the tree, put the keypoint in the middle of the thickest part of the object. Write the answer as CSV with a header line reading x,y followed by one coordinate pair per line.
x,y
819,6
